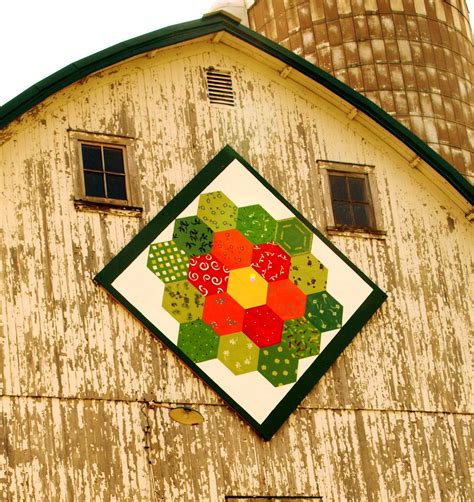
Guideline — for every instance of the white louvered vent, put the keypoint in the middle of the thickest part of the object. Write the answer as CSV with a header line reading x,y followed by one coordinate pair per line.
x,y
219,87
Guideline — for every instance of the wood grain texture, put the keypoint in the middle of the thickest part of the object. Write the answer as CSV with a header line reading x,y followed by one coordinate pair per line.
x,y
389,421
81,449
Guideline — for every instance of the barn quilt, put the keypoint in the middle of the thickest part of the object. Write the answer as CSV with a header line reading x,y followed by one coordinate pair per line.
x,y
241,287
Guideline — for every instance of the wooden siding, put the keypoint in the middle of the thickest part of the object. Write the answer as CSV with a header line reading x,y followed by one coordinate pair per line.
x,y
389,421
82,449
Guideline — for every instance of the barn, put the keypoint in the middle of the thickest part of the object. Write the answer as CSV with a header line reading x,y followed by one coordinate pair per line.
x,y
100,160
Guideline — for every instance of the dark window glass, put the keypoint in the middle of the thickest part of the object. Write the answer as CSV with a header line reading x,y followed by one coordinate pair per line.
x,y
113,159
92,157
357,189
342,213
351,202
94,183
116,187
361,215
104,172
338,187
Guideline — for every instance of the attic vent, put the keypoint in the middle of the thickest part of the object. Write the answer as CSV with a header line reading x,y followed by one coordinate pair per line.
x,y
219,87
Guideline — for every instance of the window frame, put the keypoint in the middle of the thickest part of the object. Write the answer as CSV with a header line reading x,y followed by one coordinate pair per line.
x,y
326,168
126,144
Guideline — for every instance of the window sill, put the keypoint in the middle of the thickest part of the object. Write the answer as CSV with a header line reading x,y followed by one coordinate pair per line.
x,y
357,232
107,208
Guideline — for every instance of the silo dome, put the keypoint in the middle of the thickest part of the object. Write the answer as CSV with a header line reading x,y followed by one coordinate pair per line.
x,y
237,8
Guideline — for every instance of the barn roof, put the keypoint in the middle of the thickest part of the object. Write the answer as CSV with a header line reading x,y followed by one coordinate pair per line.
x,y
222,22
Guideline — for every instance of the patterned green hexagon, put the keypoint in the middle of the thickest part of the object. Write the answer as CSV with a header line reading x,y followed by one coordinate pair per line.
x,y
293,236
301,338
308,273
324,311
193,236
167,261
238,353
183,301
198,341
278,365
217,211
256,224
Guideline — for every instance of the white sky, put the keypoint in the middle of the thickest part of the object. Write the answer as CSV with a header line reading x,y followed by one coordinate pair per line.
x,y
39,37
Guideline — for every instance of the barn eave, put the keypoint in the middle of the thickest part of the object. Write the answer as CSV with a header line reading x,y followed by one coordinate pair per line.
x,y
222,28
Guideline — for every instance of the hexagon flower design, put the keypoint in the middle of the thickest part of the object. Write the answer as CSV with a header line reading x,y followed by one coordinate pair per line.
x,y
269,295
234,281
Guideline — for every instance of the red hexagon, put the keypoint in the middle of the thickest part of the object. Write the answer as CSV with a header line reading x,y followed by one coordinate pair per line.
x,y
207,274
232,249
223,314
262,326
286,299
270,261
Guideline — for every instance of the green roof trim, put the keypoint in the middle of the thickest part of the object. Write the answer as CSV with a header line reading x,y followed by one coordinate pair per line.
x,y
221,22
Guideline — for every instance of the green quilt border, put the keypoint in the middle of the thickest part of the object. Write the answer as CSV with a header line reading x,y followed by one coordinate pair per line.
x,y
302,387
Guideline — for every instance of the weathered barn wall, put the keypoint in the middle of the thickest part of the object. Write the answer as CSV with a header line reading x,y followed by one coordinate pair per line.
x,y
390,420
81,449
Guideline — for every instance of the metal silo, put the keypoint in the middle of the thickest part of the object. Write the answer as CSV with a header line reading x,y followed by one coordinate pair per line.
x,y
411,57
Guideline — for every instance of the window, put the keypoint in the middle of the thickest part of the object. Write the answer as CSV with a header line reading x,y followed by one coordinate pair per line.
x,y
105,173
351,198
351,201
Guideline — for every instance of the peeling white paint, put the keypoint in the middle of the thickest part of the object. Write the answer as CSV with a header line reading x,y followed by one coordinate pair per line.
x,y
389,420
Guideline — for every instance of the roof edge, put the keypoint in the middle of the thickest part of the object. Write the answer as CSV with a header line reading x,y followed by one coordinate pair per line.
x,y
209,24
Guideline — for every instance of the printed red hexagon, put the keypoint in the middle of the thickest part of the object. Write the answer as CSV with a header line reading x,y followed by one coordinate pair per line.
x,y
270,261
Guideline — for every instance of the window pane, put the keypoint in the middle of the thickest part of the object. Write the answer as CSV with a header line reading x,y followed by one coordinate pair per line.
x,y
338,187
361,215
113,158
342,213
357,187
94,183
116,187
91,157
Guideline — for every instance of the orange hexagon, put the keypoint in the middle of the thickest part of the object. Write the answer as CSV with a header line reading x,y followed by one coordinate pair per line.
x,y
286,299
223,314
232,249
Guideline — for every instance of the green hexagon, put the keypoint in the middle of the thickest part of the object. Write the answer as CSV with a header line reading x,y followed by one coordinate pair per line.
x,y
308,273
324,311
293,236
167,261
278,365
193,236
238,353
301,338
217,211
256,224
198,341
183,301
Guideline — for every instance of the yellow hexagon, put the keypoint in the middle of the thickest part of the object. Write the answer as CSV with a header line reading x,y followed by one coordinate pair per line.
x,y
247,287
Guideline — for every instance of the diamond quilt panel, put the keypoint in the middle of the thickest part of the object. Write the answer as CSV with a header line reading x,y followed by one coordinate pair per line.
x,y
238,284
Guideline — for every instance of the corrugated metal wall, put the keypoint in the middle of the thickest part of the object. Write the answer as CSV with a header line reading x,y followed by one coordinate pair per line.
x,y
390,420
